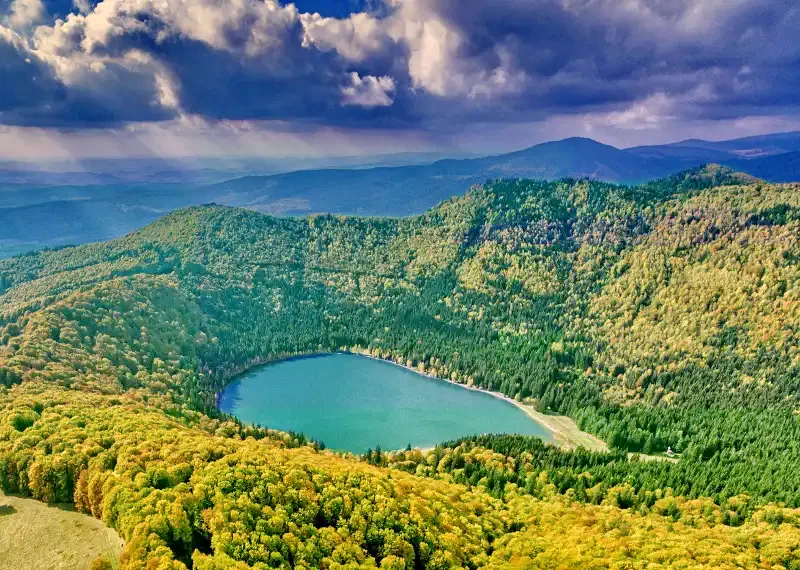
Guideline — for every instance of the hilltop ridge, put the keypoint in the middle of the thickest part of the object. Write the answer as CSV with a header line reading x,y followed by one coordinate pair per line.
x,y
106,211
656,316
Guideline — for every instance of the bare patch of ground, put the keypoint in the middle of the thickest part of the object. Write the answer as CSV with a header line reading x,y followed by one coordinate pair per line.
x,y
38,536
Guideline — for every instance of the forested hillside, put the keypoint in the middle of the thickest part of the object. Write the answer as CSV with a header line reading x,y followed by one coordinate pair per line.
x,y
662,315
53,210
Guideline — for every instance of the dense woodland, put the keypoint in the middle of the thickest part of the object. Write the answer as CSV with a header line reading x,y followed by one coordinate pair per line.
x,y
662,315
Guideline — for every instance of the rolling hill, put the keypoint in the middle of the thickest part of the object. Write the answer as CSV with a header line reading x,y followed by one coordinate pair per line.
x,y
760,145
782,167
411,189
746,147
42,215
111,210
660,315
403,191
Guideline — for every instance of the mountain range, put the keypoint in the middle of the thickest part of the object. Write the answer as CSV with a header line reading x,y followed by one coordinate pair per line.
x,y
661,319
33,215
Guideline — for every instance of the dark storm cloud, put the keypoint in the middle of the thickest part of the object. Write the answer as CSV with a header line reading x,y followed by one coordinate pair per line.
x,y
26,81
574,56
400,63
116,93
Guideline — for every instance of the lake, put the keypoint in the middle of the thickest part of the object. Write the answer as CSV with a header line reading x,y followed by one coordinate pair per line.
x,y
353,403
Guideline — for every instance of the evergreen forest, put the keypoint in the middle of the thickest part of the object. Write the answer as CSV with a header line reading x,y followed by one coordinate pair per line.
x,y
659,316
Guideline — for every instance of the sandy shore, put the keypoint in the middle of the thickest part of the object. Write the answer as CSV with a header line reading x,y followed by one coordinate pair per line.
x,y
564,430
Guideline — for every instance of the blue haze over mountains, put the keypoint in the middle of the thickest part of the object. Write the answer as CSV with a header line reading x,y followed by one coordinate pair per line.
x,y
55,205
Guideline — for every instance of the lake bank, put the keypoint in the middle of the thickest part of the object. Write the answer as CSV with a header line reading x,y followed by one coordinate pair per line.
x,y
352,403
564,430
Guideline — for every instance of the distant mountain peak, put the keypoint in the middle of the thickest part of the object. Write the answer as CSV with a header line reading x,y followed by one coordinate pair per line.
x,y
578,141
589,149
691,142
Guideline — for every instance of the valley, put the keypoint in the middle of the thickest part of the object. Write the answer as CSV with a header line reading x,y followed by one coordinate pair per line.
x,y
55,212
660,316
399,285
352,403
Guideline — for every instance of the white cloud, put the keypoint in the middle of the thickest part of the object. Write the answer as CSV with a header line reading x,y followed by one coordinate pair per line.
x,y
355,38
630,65
438,60
166,85
25,14
253,28
650,113
82,6
368,91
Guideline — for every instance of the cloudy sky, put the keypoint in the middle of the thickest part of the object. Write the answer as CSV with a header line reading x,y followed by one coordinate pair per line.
x,y
336,77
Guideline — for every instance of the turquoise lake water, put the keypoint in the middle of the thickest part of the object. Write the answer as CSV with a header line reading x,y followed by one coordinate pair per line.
x,y
353,403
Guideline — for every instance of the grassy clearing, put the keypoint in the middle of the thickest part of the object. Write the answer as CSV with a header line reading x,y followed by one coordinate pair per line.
x,y
658,457
37,536
566,432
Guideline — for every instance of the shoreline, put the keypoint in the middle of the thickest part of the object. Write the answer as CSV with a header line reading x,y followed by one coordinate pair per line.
x,y
563,430
565,436
499,395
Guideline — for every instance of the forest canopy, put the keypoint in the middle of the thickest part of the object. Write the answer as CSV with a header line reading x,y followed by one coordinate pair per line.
x,y
659,316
